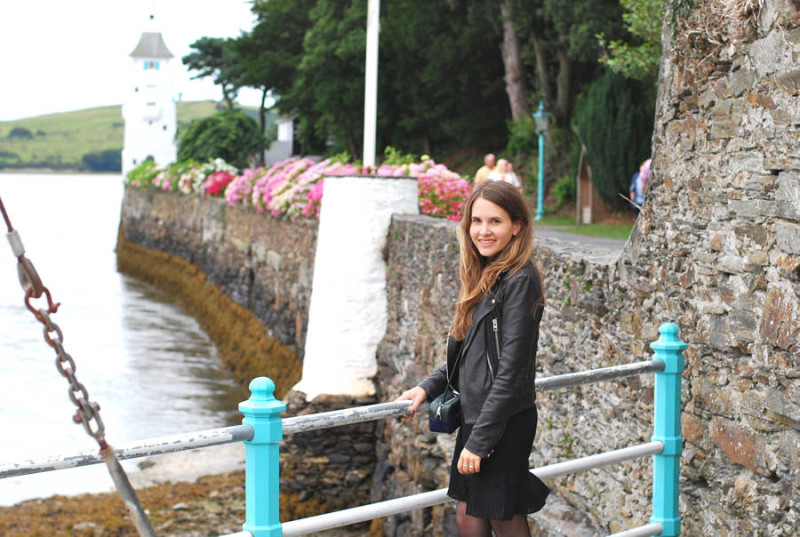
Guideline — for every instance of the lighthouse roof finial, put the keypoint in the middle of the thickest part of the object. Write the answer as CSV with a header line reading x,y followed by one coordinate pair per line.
x,y
151,44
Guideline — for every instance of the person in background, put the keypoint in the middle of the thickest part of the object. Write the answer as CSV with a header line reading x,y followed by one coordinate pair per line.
x,y
639,185
483,172
512,177
505,172
492,348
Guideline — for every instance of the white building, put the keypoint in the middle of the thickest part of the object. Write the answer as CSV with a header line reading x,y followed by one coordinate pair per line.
x,y
283,147
150,112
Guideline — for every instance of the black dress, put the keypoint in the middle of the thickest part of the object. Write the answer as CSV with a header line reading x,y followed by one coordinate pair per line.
x,y
504,487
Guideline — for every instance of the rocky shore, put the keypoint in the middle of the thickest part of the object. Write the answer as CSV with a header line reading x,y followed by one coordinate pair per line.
x,y
197,493
208,506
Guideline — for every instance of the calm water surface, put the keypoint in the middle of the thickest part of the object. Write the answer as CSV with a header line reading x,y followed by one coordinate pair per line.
x,y
148,364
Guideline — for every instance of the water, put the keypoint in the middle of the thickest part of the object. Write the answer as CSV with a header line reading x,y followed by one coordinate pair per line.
x,y
143,359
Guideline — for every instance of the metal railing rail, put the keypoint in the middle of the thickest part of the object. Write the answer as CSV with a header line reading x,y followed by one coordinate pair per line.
x,y
132,450
263,429
298,424
598,375
647,530
364,513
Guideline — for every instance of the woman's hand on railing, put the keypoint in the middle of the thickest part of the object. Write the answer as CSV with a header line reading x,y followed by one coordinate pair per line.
x,y
416,395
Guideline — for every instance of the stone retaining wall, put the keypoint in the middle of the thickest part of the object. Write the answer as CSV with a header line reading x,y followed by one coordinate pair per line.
x,y
264,264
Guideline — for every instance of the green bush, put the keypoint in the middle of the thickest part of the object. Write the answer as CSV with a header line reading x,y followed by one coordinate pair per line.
x,y
143,174
230,135
109,160
614,121
20,132
395,157
564,190
522,137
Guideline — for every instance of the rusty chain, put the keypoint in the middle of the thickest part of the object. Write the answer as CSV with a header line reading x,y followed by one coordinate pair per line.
x,y
88,412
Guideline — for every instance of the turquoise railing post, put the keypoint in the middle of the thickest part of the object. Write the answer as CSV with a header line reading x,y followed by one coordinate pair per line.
x,y
667,429
262,464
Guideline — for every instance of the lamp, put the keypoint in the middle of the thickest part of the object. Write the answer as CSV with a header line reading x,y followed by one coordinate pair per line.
x,y
542,119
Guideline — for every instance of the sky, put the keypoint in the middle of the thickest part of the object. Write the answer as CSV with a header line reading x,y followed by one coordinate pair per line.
x,y
59,56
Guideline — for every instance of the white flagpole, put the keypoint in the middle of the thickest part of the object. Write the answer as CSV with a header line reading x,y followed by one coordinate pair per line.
x,y
371,83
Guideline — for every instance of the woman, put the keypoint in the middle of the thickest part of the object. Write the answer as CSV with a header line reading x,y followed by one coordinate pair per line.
x,y
505,172
496,326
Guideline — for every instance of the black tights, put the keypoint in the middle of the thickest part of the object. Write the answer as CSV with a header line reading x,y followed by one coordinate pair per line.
x,y
470,526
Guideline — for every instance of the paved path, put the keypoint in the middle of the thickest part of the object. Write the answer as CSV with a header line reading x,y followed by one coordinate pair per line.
x,y
596,249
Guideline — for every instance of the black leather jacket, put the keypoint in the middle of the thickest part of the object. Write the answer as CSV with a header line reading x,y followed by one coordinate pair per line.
x,y
496,373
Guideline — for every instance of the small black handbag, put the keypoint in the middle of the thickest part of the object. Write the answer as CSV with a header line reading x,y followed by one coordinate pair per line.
x,y
444,413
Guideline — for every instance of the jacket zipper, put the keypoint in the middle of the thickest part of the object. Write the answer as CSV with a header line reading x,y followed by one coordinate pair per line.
x,y
496,346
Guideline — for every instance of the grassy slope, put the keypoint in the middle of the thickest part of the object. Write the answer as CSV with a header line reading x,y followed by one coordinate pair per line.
x,y
69,135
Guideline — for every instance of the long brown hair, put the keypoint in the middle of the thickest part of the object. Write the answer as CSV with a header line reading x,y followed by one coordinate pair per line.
x,y
478,274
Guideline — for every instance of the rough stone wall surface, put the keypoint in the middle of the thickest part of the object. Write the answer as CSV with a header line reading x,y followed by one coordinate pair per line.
x,y
718,245
328,470
264,264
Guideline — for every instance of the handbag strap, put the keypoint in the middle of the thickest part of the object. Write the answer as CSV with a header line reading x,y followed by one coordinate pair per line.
x,y
450,373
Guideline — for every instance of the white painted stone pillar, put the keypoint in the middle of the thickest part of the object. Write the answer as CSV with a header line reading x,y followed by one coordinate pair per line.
x,y
347,314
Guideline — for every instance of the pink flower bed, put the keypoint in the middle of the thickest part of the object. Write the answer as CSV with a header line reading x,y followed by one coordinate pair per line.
x,y
294,187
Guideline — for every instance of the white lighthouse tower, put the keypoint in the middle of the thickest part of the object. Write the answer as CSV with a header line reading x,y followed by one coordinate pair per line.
x,y
149,111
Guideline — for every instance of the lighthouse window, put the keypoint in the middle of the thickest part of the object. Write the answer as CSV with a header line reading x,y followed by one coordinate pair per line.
x,y
151,65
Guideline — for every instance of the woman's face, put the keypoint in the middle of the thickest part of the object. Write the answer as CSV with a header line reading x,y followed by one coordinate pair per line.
x,y
491,228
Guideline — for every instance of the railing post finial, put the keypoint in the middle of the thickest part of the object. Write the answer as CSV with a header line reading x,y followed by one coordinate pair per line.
x,y
262,464
667,429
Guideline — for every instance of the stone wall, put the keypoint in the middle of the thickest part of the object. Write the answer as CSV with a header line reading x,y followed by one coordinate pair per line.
x,y
264,264
719,245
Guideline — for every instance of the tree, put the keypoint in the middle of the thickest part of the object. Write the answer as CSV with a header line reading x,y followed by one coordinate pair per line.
x,y
615,123
215,57
512,60
637,57
559,40
268,55
329,87
231,135
441,77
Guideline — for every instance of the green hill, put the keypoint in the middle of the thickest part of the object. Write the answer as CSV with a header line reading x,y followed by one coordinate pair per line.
x,y
59,141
